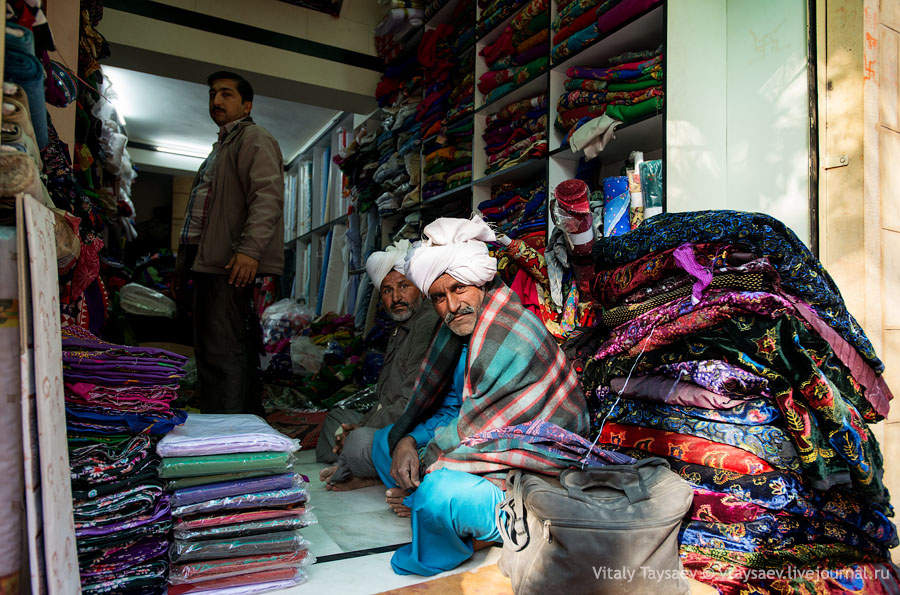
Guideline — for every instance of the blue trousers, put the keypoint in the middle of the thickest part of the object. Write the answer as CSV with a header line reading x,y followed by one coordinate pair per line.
x,y
449,510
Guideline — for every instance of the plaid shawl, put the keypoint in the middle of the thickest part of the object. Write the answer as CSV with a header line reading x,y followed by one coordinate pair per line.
x,y
515,373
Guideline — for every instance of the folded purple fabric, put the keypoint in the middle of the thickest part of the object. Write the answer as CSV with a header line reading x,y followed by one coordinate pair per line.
x,y
223,489
119,558
162,511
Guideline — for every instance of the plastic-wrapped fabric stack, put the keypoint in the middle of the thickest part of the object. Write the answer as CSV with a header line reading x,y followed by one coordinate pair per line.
x,y
520,52
516,133
237,506
727,348
579,23
118,402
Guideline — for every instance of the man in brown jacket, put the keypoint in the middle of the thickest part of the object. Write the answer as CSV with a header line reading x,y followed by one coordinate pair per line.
x,y
233,231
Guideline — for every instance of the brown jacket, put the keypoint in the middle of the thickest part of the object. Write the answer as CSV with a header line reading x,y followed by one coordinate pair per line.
x,y
246,203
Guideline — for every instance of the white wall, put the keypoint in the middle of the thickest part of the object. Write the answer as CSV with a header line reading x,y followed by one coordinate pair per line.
x,y
738,127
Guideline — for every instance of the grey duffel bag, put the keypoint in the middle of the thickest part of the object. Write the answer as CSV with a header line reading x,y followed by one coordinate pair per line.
x,y
609,530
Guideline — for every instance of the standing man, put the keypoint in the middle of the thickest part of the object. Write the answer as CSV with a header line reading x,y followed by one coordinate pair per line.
x,y
233,231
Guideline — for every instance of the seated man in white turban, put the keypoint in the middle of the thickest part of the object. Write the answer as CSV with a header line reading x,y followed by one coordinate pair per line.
x,y
407,347
505,369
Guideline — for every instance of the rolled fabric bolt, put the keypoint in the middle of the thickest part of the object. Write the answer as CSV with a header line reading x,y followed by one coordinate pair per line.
x,y
574,212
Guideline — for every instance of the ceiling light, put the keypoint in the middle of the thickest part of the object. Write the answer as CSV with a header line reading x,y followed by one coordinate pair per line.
x,y
184,152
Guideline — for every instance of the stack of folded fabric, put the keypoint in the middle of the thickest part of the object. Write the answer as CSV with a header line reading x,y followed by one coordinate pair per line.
x,y
358,163
516,133
579,23
519,54
437,60
596,100
401,19
462,83
727,348
237,506
118,401
494,12
448,159
517,211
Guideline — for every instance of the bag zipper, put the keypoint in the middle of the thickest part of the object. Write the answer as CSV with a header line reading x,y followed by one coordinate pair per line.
x,y
576,524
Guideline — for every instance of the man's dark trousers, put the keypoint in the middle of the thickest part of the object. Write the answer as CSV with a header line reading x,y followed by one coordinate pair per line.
x,y
226,345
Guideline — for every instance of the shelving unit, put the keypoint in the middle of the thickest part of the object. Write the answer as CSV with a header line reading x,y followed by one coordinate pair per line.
x,y
642,32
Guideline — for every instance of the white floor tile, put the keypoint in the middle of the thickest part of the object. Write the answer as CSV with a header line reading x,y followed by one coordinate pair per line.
x,y
367,530
372,574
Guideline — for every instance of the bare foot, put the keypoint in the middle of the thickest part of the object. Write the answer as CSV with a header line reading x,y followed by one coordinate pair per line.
x,y
354,483
327,472
477,544
394,498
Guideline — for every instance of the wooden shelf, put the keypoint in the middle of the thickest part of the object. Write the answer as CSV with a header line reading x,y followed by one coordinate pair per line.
x,y
643,135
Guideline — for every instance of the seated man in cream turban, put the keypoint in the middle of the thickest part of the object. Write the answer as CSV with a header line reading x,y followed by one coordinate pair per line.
x,y
502,366
407,347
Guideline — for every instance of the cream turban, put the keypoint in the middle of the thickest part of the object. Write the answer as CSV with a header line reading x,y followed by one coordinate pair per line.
x,y
456,247
379,264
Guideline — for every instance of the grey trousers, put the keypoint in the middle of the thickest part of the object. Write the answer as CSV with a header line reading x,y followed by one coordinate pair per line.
x,y
334,419
355,459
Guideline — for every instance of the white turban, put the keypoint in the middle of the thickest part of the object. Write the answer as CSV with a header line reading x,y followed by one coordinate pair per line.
x,y
393,258
455,247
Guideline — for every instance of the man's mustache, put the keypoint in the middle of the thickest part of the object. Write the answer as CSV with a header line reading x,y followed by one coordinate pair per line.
x,y
463,310
398,305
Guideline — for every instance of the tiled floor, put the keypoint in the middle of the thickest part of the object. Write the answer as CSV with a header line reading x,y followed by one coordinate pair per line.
x,y
350,523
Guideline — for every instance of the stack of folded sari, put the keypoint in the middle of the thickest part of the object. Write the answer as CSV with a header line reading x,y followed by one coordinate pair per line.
x,y
448,159
579,23
519,54
596,100
725,347
237,506
118,401
516,133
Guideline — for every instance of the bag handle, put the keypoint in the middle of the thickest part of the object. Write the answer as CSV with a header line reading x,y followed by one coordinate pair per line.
x,y
625,478
513,528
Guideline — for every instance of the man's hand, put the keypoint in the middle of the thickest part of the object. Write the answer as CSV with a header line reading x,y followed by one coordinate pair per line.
x,y
405,464
243,269
340,438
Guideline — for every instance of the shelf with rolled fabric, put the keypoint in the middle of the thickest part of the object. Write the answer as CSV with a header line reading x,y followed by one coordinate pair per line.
x,y
644,134
443,197
322,229
533,169
537,85
644,30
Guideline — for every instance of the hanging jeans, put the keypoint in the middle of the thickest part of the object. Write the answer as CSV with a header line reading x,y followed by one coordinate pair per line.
x,y
449,510
22,67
